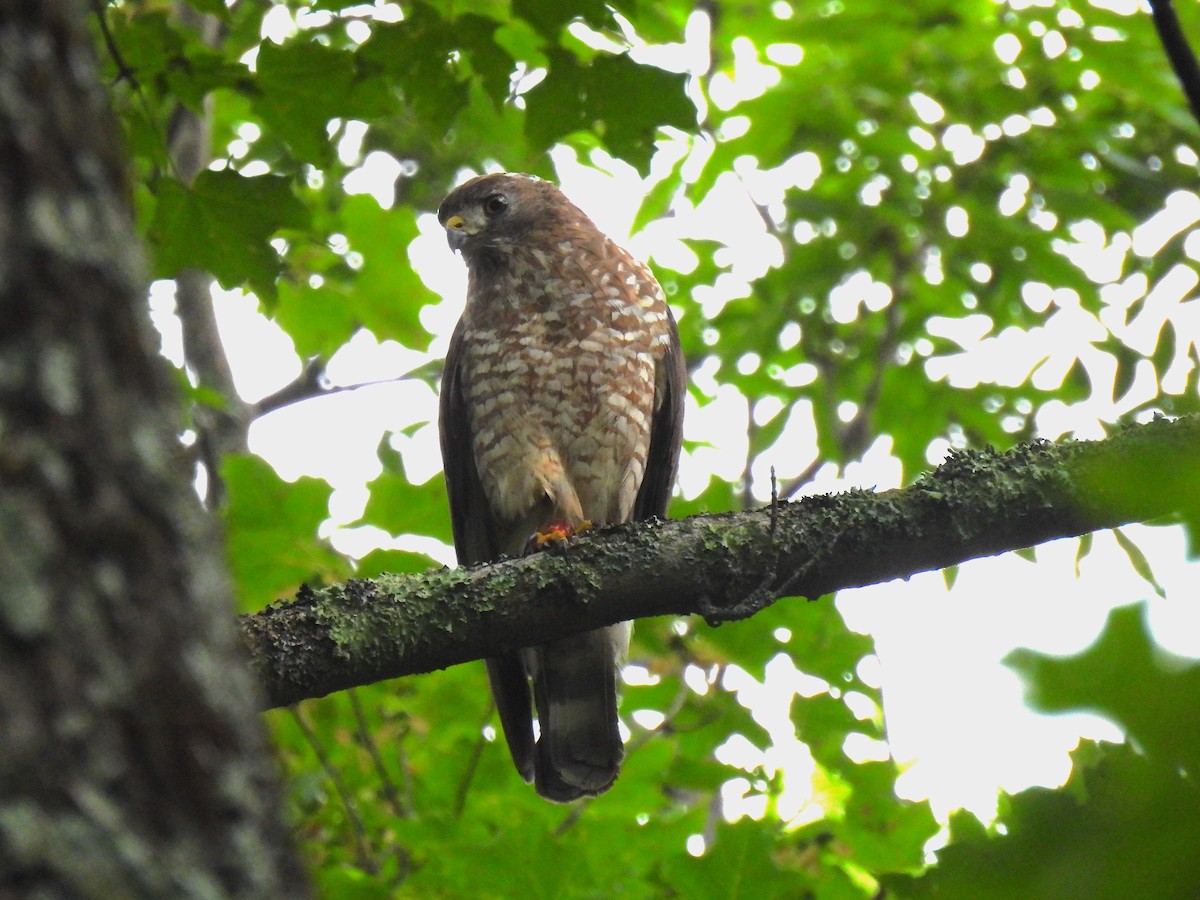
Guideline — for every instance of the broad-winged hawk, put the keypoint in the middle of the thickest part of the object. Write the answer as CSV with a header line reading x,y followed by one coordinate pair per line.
x,y
561,404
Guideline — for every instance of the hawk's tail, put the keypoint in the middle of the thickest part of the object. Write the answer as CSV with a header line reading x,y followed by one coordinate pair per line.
x,y
579,751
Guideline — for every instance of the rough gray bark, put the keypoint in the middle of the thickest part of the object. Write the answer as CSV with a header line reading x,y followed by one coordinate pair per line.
x,y
131,761
726,567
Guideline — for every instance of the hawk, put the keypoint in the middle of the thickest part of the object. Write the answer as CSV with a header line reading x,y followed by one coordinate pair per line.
x,y
561,406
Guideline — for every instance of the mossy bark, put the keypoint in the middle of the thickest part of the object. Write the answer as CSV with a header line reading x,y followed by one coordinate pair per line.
x,y
726,567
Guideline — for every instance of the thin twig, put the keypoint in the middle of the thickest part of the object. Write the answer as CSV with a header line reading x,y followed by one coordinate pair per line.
x,y
406,775
766,590
310,384
774,501
367,741
573,816
124,73
643,736
747,478
768,587
358,829
793,485
852,438
401,809
464,784
716,811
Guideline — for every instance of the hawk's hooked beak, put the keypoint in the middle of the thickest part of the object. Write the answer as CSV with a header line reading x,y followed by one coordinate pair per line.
x,y
456,232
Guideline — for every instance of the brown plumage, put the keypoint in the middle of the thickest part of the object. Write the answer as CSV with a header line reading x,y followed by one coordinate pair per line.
x,y
562,402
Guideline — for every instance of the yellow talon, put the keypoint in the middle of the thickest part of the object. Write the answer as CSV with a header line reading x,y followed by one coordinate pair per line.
x,y
555,533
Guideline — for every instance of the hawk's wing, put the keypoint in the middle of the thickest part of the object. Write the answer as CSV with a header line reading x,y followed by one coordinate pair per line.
x,y
666,430
475,542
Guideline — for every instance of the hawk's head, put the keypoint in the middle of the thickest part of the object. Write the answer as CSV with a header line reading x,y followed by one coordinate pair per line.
x,y
487,215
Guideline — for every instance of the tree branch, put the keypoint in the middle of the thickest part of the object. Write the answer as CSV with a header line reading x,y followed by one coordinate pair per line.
x,y
1179,52
221,431
725,567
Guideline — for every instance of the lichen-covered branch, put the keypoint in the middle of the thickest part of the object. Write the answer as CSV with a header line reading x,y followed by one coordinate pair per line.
x,y
725,567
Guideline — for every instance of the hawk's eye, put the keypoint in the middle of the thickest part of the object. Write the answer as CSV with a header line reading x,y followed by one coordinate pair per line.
x,y
495,204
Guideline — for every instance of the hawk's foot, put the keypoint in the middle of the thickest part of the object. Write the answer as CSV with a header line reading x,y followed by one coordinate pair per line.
x,y
554,535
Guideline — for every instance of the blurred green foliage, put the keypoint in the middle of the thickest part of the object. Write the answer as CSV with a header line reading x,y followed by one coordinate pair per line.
x,y
937,165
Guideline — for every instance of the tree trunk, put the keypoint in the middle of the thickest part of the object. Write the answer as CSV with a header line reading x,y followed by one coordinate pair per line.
x,y
131,761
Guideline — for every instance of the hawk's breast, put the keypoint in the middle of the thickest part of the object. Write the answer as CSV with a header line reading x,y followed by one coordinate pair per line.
x,y
560,357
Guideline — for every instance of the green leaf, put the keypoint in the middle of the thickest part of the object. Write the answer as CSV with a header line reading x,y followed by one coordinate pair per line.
x,y
221,224
1084,548
657,200
211,7
739,864
885,833
1029,554
1124,676
302,86
521,42
615,99
821,644
385,295
550,17
271,532
393,562
170,58
950,576
1122,823
823,722
499,10
400,507
419,52
319,320
1138,560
